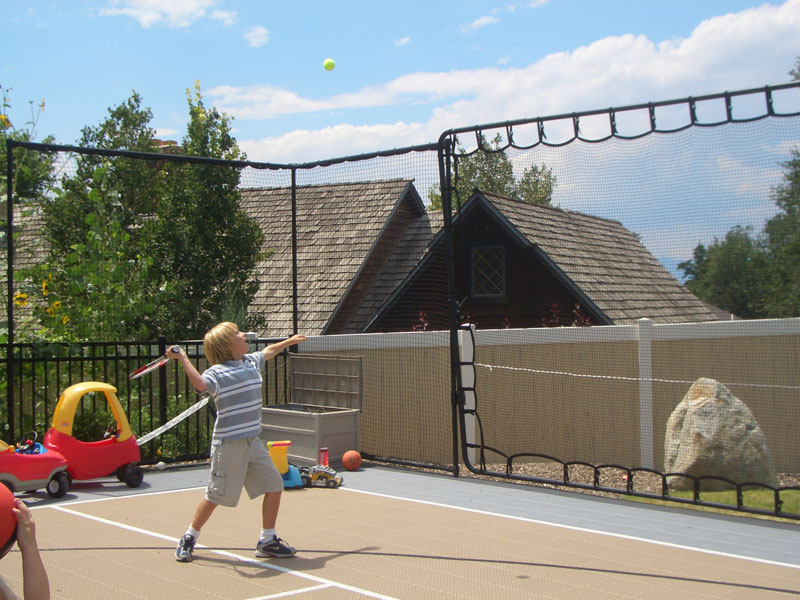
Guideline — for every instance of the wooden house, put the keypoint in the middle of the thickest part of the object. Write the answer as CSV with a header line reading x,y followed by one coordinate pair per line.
x,y
371,258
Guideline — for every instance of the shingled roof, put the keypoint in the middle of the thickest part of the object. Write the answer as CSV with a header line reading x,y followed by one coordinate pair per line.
x,y
346,232
360,244
600,259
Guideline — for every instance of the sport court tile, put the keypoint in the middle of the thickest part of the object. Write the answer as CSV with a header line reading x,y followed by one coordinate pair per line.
x,y
384,546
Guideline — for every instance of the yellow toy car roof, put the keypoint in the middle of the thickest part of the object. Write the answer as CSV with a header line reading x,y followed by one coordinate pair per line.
x,y
64,414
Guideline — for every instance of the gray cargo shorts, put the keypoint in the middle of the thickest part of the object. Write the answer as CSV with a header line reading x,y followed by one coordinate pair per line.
x,y
241,463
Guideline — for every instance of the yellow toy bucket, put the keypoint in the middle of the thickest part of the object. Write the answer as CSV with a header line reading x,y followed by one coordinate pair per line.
x,y
277,452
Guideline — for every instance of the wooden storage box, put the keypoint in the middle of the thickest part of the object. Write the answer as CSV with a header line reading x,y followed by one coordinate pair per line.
x,y
325,412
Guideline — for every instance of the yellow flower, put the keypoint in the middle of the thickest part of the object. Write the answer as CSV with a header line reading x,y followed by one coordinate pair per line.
x,y
20,299
5,123
44,288
50,311
65,320
57,304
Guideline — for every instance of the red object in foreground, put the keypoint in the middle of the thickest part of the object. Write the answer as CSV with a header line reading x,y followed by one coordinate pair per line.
x,y
8,521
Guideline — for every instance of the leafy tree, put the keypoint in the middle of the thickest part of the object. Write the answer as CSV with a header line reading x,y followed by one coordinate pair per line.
x,y
730,273
489,169
99,289
782,240
32,170
130,186
139,248
31,179
203,238
756,276
537,184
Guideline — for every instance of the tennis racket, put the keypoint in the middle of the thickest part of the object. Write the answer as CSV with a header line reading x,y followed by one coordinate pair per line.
x,y
153,365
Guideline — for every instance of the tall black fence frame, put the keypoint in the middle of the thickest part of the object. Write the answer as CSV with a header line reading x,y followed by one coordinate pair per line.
x,y
448,169
448,158
12,355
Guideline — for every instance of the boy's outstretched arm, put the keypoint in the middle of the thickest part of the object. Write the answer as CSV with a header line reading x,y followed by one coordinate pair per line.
x,y
191,372
278,347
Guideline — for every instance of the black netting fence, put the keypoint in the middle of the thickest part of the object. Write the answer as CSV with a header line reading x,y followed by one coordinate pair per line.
x,y
626,279
675,225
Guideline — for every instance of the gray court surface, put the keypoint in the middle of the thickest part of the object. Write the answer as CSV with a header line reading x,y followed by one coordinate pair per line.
x,y
727,535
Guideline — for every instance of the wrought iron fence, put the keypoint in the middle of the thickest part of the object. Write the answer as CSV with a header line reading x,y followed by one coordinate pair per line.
x,y
44,371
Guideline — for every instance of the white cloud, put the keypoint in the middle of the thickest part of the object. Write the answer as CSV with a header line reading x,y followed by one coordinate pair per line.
x,y
293,146
176,13
257,36
734,51
537,3
479,23
166,133
402,41
228,17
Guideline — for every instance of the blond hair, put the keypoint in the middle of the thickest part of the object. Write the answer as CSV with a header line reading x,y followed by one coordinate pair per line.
x,y
217,342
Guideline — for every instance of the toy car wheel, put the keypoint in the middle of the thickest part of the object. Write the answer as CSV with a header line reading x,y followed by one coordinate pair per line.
x,y
58,485
331,483
120,472
306,480
133,476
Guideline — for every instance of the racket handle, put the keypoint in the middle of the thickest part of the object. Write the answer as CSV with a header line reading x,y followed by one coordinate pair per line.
x,y
175,348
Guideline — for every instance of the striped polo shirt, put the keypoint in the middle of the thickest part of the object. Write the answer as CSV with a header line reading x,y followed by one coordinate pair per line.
x,y
235,387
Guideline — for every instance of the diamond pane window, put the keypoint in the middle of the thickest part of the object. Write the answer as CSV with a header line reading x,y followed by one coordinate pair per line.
x,y
489,271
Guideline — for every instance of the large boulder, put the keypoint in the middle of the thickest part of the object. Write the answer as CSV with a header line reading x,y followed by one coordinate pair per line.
x,y
713,433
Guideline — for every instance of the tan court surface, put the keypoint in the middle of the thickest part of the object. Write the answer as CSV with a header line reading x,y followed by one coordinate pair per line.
x,y
353,545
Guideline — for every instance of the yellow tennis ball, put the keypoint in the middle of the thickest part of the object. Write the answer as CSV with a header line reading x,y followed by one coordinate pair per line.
x,y
328,64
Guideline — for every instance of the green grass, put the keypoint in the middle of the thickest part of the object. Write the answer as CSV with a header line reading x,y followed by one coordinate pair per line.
x,y
751,499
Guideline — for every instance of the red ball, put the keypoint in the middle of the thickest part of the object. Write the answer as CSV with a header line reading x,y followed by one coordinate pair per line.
x,y
8,520
351,460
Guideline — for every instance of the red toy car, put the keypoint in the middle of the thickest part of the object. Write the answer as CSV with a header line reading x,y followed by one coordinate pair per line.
x,y
31,466
118,453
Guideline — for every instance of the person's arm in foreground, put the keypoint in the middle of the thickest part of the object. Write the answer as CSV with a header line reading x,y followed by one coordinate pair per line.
x,y
35,585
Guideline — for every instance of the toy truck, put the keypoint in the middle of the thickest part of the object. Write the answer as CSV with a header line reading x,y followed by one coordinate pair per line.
x,y
321,476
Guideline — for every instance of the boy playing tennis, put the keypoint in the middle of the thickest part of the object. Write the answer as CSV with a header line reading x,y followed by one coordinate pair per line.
x,y
238,456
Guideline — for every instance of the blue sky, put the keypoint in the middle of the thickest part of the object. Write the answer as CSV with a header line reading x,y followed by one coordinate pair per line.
x,y
405,71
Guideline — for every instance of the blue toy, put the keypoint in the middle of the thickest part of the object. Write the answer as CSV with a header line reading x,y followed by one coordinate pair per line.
x,y
291,479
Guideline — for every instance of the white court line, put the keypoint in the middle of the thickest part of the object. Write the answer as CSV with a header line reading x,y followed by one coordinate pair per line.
x,y
104,498
581,529
320,580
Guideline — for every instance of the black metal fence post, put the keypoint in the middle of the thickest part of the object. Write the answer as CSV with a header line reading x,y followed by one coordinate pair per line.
x,y
10,283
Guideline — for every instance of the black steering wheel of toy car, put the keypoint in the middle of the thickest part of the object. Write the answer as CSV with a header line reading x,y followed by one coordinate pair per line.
x,y
111,431
28,446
